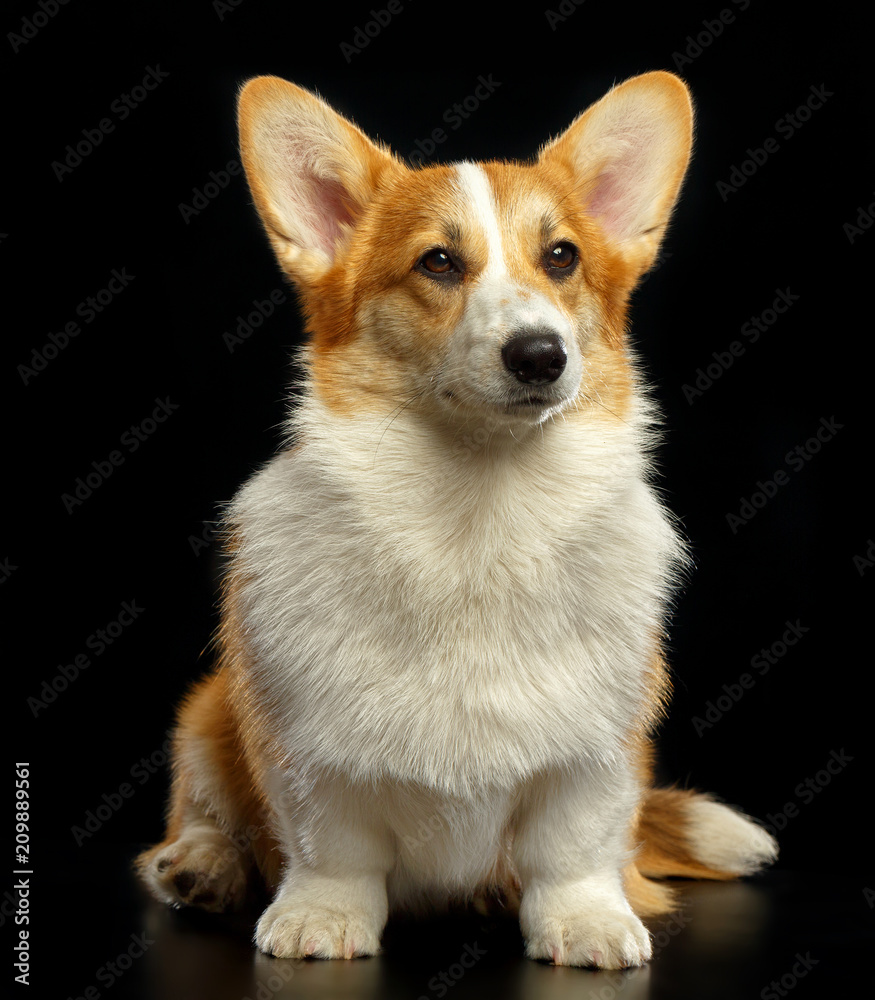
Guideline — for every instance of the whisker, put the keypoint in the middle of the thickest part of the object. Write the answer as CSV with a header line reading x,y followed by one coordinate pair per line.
x,y
393,416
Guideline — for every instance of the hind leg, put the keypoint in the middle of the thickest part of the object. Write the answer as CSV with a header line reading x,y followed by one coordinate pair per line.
x,y
216,829
202,866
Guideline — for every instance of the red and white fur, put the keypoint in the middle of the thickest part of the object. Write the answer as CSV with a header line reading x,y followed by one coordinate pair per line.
x,y
440,649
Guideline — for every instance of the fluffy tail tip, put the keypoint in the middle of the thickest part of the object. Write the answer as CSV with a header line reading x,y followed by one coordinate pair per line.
x,y
727,840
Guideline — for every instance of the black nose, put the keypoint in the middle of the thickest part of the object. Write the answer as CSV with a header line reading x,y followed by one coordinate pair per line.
x,y
535,358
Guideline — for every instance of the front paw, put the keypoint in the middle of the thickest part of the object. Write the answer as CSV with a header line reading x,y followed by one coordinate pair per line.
x,y
297,929
601,939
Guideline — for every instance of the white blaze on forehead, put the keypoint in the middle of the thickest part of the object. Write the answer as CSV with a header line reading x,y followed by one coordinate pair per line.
x,y
499,305
479,198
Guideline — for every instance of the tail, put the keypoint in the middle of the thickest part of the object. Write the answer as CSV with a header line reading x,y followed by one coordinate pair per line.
x,y
689,835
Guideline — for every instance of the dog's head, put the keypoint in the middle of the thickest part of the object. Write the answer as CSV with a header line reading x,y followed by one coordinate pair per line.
x,y
493,290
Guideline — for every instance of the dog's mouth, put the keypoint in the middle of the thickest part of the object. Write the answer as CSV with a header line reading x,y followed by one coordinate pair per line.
x,y
534,406
486,391
530,401
513,409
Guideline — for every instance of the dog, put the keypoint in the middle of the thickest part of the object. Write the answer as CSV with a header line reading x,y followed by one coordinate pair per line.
x,y
440,656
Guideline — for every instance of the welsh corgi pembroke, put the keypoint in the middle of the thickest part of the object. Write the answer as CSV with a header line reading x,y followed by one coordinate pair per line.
x,y
440,655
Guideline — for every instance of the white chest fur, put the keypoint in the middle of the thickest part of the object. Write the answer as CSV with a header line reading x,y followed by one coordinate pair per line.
x,y
452,616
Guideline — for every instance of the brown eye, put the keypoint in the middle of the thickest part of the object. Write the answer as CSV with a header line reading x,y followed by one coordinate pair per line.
x,y
437,262
440,265
561,257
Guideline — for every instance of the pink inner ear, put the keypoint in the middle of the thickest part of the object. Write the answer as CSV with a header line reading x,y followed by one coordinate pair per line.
x,y
622,198
329,212
624,190
608,202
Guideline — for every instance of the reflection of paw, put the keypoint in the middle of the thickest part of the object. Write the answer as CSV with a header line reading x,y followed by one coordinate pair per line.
x,y
603,939
292,929
203,870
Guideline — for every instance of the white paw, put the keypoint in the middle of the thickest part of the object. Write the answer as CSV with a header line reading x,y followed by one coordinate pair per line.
x,y
292,929
602,939
203,870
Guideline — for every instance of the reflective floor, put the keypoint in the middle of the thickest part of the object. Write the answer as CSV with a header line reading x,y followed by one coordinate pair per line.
x,y
778,935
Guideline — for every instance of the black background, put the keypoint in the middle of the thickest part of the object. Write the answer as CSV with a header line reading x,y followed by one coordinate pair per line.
x,y
728,254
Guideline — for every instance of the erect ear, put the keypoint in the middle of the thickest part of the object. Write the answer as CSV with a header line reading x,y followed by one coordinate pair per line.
x,y
628,153
311,172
